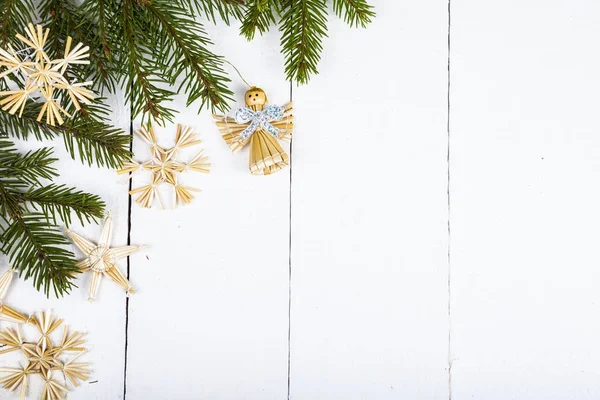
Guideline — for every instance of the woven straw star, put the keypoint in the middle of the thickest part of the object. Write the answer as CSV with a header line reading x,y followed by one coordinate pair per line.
x,y
165,169
40,78
44,358
101,259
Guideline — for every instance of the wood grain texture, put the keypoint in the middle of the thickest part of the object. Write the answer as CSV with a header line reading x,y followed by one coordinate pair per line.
x,y
525,215
369,224
212,301
369,212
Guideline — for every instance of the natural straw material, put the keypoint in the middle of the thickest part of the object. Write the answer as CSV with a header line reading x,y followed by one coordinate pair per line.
x,y
165,169
100,259
7,313
54,362
41,78
262,126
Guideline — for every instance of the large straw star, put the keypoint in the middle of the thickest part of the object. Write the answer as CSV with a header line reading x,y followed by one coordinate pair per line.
x,y
41,79
45,357
101,259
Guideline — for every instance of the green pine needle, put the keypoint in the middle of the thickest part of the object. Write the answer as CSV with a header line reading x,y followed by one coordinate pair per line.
x,y
210,9
259,16
355,12
38,251
303,27
153,49
30,212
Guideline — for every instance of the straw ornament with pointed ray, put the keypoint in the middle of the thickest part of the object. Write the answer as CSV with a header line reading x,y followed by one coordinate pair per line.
x,y
7,313
47,358
41,79
101,259
165,169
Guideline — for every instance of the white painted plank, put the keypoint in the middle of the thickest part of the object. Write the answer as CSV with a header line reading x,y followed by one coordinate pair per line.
x,y
524,210
369,212
211,314
104,320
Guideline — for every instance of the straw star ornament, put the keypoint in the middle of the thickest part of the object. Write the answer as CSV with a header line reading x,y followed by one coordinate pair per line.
x,y
101,259
38,78
44,358
164,167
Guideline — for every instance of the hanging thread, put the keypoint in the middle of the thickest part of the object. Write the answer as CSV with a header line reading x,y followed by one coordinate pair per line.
x,y
239,74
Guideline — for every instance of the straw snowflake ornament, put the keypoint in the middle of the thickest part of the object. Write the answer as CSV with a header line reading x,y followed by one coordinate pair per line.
x,y
101,259
164,167
41,79
45,358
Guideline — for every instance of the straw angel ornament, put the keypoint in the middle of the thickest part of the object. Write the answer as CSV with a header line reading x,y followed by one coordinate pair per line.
x,y
262,125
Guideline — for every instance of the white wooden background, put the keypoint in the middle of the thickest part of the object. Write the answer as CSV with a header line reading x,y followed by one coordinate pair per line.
x,y
375,267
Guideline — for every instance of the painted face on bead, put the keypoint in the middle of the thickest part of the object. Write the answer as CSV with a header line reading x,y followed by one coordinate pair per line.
x,y
256,97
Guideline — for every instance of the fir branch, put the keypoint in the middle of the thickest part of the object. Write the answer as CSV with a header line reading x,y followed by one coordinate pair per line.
x,y
28,168
303,27
355,12
30,211
142,89
14,15
94,141
86,136
66,19
185,51
226,9
53,200
37,251
259,16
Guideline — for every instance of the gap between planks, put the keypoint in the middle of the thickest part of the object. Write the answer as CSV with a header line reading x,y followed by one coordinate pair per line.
x,y
129,205
289,338
450,356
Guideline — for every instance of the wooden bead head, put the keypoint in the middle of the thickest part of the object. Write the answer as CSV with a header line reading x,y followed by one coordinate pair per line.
x,y
256,97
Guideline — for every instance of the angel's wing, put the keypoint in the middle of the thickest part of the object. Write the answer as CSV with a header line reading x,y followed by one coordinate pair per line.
x,y
230,130
286,125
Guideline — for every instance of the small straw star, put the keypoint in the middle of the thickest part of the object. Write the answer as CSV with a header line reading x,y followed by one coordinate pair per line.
x,y
165,168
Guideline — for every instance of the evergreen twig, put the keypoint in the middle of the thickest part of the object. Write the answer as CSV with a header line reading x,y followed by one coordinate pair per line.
x,y
29,212
355,12
303,27
153,49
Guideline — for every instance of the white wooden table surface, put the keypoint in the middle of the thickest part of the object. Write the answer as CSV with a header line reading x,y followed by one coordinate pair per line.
x,y
375,267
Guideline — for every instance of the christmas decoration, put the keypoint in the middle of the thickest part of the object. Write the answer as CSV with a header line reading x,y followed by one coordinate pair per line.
x,y
38,93
45,358
143,46
147,45
100,259
261,125
164,167
41,76
30,209
7,313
